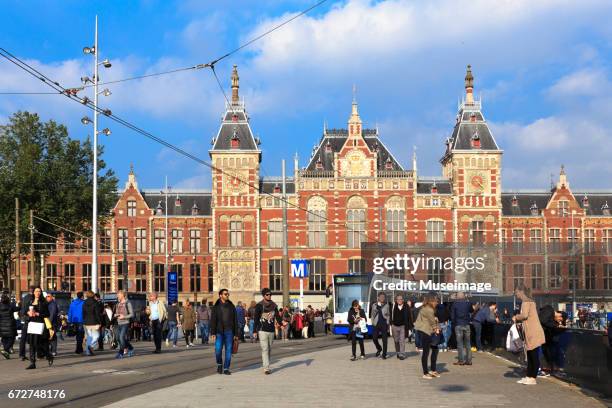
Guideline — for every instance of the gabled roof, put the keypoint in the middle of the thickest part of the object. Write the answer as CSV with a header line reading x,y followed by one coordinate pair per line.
x,y
596,202
235,124
424,186
524,202
332,142
189,198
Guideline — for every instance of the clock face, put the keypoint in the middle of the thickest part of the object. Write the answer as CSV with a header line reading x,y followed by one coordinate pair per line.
x,y
235,181
477,182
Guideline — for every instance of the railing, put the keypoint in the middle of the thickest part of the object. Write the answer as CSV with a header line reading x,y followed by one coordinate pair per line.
x,y
395,173
316,173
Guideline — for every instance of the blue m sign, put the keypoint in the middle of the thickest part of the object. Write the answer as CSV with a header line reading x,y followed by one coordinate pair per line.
x,y
299,268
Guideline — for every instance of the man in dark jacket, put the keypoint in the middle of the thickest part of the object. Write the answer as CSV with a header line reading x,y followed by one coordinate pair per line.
x,y
54,319
266,316
23,315
104,322
460,317
401,323
91,321
75,318
380,313
8,325
485,315
224,329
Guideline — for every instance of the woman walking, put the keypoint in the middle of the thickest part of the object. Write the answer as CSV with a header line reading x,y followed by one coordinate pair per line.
x,y
188,322
8,325
355,316
534,334
427,326
38,313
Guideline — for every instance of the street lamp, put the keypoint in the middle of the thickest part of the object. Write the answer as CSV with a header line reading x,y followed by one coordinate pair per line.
x,y
95,80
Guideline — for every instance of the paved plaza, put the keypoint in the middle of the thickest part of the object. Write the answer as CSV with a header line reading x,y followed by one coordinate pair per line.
x,y
327,378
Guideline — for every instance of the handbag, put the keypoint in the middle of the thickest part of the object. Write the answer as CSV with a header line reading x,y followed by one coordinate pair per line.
x,y
235,346
437,339
36,327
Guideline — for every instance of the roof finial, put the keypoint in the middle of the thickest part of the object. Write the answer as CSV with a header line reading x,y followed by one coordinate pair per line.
x,y
235,86
354,111
469,86
562,179
131,168
131,181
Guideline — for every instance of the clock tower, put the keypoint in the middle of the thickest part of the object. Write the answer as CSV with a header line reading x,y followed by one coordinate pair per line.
x,y
236,158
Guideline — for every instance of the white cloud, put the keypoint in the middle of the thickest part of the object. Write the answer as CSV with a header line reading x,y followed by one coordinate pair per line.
x,y
586,82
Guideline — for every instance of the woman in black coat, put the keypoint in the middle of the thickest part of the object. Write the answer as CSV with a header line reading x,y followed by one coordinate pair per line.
x,y
8,325
37,310
355,315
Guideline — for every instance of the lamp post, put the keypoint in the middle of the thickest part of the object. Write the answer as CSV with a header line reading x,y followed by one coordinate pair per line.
x,y
106,63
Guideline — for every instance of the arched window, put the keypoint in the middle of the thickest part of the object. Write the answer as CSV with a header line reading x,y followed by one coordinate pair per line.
x,y
317,217
395,214
355,221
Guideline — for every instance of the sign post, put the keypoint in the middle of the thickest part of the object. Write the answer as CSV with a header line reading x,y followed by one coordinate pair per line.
x,y
299,269
172,287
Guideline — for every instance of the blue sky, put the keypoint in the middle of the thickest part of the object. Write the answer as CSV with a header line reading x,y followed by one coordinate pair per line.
x,y
542,68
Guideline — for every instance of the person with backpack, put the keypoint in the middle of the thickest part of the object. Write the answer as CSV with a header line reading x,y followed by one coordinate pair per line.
x,y
75,318
266,319
356,317
124,313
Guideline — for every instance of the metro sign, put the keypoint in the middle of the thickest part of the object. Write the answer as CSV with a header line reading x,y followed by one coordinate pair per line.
x,y
299,268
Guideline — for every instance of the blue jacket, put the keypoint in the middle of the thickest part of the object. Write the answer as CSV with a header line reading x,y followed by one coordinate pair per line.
x,y
484,315
240,316
461,312
75,312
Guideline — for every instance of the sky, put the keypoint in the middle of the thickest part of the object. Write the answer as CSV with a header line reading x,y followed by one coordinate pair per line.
x,y
543,70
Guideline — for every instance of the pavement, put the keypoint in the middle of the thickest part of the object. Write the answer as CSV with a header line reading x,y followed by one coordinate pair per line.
x,y
327,378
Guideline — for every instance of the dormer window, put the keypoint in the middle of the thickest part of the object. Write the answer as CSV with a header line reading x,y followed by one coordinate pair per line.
x,y
277,189
177,201
235,142
514,201
534,209
195,210
388,164
319,164
234,117
473,117
434,189
328,147
605,209
476,141
585,201
159,210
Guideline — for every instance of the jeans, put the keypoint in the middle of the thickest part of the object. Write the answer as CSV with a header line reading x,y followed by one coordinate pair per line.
x,y
172,332
464,347
446,332
122,338
203,326
426,342
417,339
478,330
251,328
265,341
80,334
225,339
93,333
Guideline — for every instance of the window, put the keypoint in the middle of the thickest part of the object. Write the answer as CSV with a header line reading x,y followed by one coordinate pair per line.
x,y
178,268
210,278
194,241
105,240
177,241
589,276
356,266
275,274
69,278
589,241
395,225
141,240
435,272
131,208
535,240
210,241
504,239
159,241
572,236
122,241
275,234
85,245
69,247
554,276
159,278
537,278
607,277
435,231
518,274
477,233
105,277
51,277
563,207
607,241
236,233
355,227
122,271
504,277
141,276
574,279
517,241
316,275
554,236
316,229
195,277
86,274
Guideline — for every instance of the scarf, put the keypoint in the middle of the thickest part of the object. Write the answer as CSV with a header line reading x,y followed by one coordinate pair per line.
x,y
268,310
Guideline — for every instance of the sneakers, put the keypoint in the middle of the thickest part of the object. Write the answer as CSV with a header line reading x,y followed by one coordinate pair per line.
x,y
362,357
378,353
434,374
428,376
458,363
167,343
353,358
527,381
220,369
227,372
543,374
6,354
174,346
267,372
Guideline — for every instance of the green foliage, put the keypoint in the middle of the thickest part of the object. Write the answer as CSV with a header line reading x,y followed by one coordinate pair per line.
x,y
50,174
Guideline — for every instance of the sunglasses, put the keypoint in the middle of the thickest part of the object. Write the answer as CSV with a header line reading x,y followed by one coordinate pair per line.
x,y
267,294
225,294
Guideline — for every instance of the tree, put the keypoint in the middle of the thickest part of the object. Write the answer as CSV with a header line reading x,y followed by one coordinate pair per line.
x,y
51,174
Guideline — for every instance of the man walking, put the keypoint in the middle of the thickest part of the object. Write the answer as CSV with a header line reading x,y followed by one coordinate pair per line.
x,y
224,329
401,323
241,313
91,321
460,318
380,315
203,321
124,313
75,318
173,321
157,314
55,325
23,314
266,316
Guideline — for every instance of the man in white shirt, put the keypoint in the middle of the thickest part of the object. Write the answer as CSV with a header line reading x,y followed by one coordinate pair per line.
x,y
157,314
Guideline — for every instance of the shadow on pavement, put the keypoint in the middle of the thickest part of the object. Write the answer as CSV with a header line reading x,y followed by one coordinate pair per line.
x,y
515,372
454,388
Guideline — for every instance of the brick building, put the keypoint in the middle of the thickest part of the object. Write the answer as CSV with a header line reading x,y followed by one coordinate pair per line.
x,y
351,191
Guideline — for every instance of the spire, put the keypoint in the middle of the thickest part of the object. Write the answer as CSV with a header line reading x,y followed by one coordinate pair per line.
x,y
354,111
562,179
354,120
131,182
235,85
414,159
469,86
